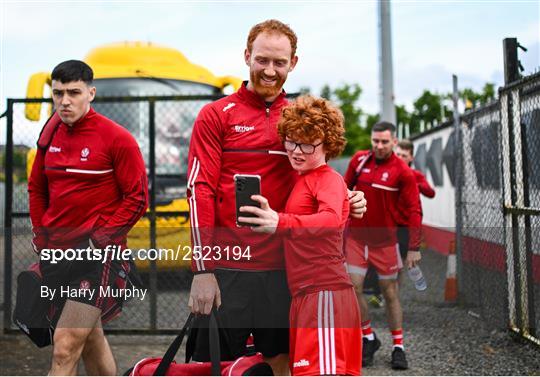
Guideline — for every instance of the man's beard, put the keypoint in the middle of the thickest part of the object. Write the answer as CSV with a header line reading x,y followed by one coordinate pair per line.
x,y
266,91
381,156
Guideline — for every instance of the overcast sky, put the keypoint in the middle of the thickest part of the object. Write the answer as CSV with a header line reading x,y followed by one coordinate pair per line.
x,y
337,40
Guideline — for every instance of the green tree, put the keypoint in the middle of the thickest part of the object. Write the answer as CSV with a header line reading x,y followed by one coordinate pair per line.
x,y
326,92
473,99
371,119
428,109
403,117
433,108
488,93
346,97
469,97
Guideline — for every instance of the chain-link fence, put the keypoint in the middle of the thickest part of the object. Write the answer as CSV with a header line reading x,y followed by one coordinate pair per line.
x,y
162,127
520,105
499,193
482,241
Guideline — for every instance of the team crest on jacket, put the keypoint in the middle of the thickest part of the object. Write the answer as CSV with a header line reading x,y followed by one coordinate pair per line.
x,y
385,176
84,154
85,284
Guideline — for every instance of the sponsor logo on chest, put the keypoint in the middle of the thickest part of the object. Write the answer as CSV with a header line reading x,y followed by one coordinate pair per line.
x,y
242,129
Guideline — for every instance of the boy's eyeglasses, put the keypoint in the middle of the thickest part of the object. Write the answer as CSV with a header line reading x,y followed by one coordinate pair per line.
x,y
305,148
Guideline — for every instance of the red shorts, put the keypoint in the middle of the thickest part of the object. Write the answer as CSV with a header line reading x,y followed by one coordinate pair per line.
x,y
325,335
386,260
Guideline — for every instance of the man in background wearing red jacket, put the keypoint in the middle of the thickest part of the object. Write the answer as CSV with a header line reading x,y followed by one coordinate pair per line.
x,y
388,185
87,188
405,151
238,135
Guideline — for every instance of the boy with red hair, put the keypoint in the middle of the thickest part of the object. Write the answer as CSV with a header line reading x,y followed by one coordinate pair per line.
x,y
324,309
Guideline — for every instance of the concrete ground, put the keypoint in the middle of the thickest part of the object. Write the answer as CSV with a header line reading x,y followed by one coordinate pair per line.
x,y
439,340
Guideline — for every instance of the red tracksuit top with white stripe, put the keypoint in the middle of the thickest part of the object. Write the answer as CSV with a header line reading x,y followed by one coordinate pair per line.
x,y
90,182
393,199
423,185
312,224
236,134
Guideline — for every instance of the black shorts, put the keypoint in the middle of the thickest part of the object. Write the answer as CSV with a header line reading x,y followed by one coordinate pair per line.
x,y
252,302
90,282
403,241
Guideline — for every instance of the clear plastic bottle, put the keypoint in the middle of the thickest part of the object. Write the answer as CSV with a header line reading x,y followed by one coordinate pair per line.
x,y
415,274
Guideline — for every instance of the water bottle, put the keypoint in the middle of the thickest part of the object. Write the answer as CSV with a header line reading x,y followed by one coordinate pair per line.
x,y
415,274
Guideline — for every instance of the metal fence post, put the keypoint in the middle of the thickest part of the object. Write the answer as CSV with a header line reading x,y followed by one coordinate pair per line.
x,y
518,222
528,252
8,207
519,189
458,151
520,203
508,200
152,193
511,62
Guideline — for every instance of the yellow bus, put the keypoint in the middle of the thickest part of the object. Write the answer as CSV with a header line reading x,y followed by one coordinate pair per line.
x,y
139,69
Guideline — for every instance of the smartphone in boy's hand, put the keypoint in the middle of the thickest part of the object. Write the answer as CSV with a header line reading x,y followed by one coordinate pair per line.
x,y
246,185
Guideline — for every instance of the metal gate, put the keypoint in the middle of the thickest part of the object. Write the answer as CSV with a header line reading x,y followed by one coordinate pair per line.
x,y
520,149
162,127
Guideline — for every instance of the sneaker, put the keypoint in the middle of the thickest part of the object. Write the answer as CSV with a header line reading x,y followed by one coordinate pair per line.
x,y
369,347
399,361
376,301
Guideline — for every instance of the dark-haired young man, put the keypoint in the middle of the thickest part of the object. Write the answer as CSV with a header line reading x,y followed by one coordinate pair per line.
x,y
405,151
87,188
389,185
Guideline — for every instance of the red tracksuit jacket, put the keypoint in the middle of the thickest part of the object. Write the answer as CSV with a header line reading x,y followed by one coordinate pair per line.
x,y
89,182
313,223
388,186
423,185
236,135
